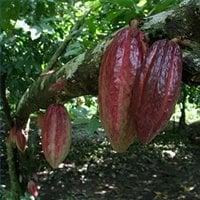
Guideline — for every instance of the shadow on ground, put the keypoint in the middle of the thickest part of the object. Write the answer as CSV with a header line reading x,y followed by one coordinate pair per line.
x,y
168,168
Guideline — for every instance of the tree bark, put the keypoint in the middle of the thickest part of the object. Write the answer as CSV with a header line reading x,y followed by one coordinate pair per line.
x,y
80,75
182,120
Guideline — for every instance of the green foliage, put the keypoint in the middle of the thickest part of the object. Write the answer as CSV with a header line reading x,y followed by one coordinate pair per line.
x,y
159,6
194,95
7,195
84,110
9,10
31,31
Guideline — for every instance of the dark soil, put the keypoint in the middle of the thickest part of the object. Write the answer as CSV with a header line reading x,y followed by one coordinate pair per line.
x,y
168,168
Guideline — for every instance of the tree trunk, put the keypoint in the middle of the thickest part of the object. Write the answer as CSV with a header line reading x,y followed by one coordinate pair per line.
x,y
13,175
182,121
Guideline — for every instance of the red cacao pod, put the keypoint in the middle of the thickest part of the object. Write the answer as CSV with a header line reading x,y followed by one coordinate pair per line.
x,y
157,89
32,188
118,71
17,136
56,134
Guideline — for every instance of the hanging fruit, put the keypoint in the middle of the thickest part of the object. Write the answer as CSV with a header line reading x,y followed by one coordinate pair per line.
x,y
56,134
157,89
119,70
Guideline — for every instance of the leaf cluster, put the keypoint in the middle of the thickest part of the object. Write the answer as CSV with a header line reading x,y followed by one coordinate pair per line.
x,y
31,31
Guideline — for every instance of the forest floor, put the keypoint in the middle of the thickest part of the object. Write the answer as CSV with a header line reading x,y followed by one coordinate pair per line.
x,y
167,168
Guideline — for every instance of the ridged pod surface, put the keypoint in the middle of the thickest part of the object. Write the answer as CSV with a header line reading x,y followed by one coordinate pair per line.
x,y
118,71
157,89
56,134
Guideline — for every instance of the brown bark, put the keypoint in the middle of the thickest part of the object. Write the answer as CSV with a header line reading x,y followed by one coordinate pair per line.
x,y
80,75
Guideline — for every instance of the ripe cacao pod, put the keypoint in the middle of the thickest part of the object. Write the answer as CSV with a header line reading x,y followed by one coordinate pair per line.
x,y
118,71
157,89
32,188
56,134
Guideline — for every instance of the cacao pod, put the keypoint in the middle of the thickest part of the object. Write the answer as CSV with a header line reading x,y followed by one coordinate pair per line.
x,y
157,89
21,140
32,188
56,134
17,136
118,71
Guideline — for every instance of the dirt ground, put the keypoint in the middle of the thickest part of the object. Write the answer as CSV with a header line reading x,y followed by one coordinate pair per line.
x,y
168,168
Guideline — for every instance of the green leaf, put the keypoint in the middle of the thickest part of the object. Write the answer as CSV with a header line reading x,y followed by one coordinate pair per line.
x,y
73,49
40,9
93,125
91,25
124,3
9,10
164,5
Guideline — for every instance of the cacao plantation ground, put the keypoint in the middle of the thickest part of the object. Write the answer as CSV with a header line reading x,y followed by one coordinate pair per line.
x,y
168,168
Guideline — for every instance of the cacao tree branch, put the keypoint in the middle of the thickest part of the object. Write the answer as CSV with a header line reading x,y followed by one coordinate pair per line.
x,y
14,182
80,75
12,162
181,21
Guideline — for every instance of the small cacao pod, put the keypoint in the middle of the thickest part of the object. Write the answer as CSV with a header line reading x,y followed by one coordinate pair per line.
x,y
118,71
21,140
56,134
32,188
18,137
157,89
